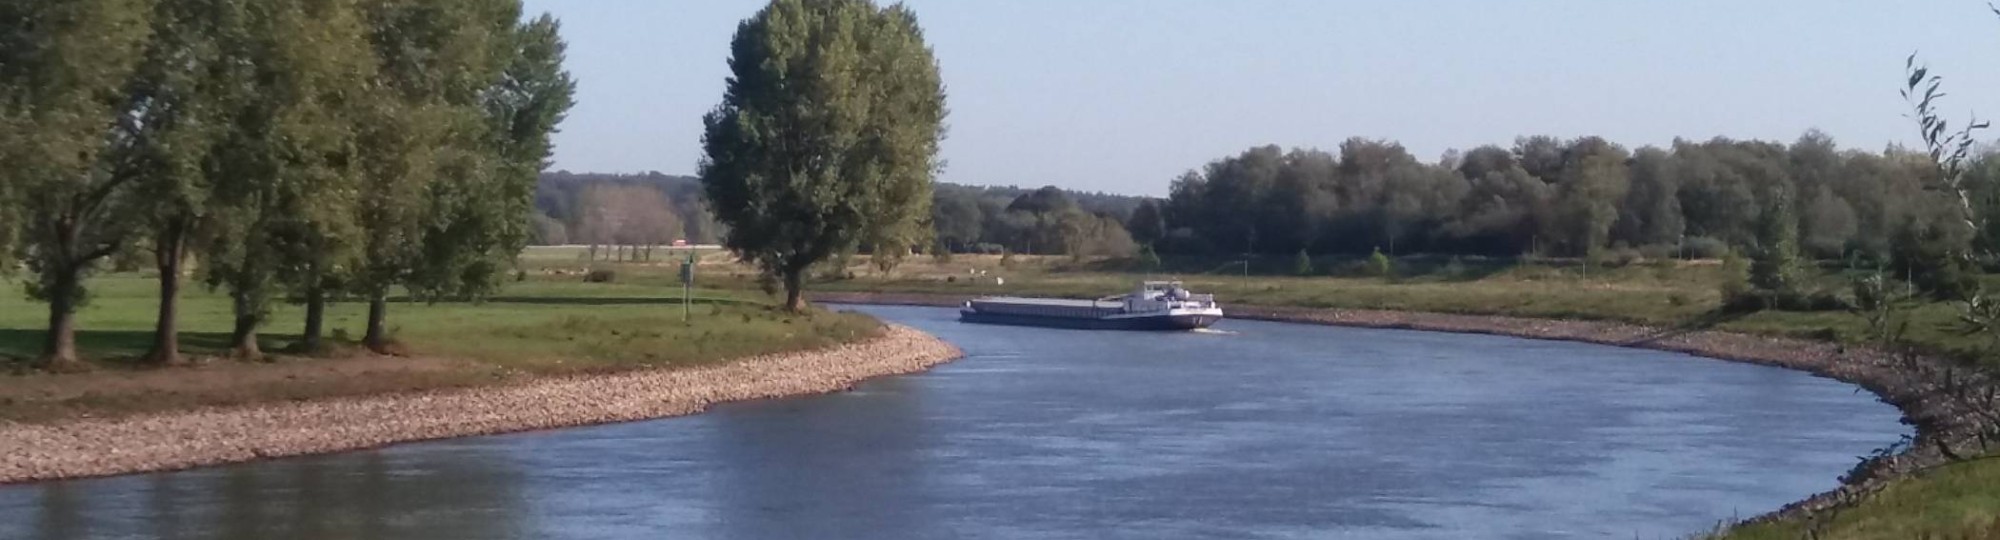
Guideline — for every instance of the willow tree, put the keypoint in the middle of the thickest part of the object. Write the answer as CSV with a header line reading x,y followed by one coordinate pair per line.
x,y
826,136
65,137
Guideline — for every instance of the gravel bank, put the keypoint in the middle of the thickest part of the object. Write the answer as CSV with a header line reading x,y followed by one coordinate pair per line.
x,y
180,440
1929,391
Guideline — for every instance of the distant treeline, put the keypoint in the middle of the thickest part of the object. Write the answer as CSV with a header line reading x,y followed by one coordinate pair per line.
x,y
637,210
655,209
1541,196
1556,197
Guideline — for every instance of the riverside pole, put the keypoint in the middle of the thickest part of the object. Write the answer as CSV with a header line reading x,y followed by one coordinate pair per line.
x,y
687,286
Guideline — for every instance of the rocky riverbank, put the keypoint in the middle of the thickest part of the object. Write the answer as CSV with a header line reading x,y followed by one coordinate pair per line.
x,y
1948,404
84,448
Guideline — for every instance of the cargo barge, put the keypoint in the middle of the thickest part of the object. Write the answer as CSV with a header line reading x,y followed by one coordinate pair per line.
x,y
1156,305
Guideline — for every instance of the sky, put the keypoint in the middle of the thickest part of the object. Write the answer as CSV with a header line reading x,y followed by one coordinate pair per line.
x,y
1124,95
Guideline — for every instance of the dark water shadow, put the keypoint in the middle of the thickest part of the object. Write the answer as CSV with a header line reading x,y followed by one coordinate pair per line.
x,y
464,493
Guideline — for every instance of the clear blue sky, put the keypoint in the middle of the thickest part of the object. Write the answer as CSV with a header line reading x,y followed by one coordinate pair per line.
x,y
1122,95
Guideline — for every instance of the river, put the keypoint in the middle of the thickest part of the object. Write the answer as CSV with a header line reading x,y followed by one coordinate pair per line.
x,y
1256,430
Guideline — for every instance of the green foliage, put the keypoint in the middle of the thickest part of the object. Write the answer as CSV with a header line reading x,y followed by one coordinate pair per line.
x,y
285,188
1774,265
1737,292
826,136
1932,257
1147,224
940,252
1302,265
67,73
1149,261
1592,181
1702,247
1380,266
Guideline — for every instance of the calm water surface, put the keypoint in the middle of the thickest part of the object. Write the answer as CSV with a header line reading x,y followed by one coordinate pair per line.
x,y
1262,430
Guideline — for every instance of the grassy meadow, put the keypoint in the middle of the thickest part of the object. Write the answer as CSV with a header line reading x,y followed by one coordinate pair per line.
x,y
549,322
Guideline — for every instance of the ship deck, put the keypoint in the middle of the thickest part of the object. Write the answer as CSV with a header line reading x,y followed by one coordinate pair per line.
x,y
1057,302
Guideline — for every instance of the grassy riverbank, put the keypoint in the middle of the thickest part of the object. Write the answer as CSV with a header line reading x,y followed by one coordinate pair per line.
x,y
546,324
1668,294
1956,501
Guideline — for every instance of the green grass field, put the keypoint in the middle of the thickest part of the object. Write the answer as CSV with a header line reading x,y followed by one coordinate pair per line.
x,y
544,324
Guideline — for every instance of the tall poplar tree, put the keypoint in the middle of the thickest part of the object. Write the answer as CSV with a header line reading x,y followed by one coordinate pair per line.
x,y
471,97
66,137
285,181
180,95
826,136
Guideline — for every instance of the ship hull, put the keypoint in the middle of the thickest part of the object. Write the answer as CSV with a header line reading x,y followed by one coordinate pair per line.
x,y
1162,322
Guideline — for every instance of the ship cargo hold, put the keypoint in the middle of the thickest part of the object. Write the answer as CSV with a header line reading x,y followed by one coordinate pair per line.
x,y
1156,305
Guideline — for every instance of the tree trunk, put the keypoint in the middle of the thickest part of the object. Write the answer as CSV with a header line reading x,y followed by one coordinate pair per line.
x,y
59,350
167,254
311,340
377,338
243,338
795,300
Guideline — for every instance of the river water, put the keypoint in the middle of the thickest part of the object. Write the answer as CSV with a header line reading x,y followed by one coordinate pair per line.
x,y
1258,430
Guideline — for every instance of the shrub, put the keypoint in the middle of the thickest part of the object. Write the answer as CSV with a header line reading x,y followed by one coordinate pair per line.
x,y
1148,259
1303,265
600,275
1380,265
1617,257
1760,300
1702,247
1455,268
1657,252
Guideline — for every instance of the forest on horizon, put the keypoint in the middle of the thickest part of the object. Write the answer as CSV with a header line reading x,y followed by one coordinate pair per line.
x,y
1540,196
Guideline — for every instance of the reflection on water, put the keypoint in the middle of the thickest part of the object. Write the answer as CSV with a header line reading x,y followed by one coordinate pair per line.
x,y
1257,430
818,489
456,491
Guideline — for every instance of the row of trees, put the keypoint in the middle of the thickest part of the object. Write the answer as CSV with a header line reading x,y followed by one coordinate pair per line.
x,y
597,209
1550,196
309,150
1044,221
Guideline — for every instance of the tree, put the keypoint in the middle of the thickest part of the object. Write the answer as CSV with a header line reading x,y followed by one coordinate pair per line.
x,y
832,115
1148,224
1929,252
1774,265
181,94
285,178
1651,212
1591,183
1829,224
958,219
67,137
550,231
485,93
